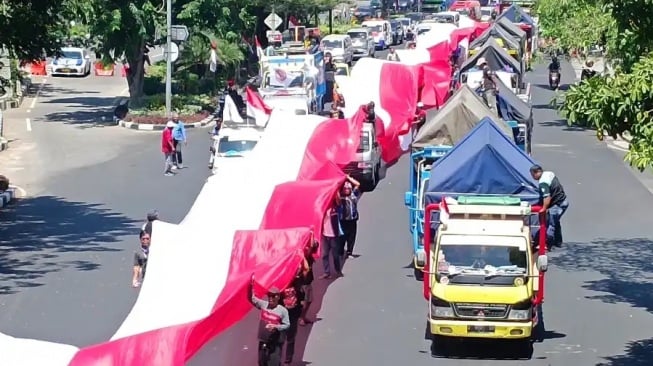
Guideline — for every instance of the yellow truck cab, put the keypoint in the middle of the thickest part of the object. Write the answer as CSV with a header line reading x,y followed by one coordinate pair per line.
x,y
484,275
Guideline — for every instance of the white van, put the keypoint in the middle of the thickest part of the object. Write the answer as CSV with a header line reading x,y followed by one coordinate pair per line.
x,y
366,169
381,32
340,46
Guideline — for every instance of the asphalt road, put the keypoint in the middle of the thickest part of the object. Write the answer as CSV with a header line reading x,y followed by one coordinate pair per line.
x,y
598,295
66,249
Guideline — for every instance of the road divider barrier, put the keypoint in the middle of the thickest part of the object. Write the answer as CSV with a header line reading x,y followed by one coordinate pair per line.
x,y
37,68
104,70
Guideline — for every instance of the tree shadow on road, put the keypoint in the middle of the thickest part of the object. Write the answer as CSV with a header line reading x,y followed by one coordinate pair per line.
x,y
37,234
637,353
564,125
49,90
84,117
627,265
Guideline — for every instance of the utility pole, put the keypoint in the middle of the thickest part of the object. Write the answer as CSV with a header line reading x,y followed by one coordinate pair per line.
x,y
168,58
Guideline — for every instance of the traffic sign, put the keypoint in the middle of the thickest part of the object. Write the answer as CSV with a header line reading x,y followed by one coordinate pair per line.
x,y
174,52
273,21
179,33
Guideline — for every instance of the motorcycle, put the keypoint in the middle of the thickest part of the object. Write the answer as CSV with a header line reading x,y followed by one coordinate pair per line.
x,y
554,80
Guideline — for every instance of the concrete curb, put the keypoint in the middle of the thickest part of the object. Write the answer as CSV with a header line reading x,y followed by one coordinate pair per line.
x,y
7,197
150,127
4,144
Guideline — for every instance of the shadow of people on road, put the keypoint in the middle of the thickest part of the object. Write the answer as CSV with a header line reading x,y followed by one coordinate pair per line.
x,y
36,232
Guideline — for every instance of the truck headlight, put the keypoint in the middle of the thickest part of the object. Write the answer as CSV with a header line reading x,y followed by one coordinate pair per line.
x,y
519,315
441,308
521,310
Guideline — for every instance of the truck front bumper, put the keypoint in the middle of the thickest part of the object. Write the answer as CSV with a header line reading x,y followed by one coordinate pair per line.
x,y
473,329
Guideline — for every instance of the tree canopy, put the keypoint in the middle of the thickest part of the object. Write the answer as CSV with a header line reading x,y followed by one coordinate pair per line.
x,y
618,104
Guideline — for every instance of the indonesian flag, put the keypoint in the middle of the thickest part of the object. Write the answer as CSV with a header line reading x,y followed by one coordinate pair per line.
x,y
292,22
230,112
292,175
213,57
395,105
259,49
256,108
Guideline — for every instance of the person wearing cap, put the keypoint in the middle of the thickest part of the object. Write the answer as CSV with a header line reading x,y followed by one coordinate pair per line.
x,y
274,321
349,195
178,138
554,202
168,148
151,217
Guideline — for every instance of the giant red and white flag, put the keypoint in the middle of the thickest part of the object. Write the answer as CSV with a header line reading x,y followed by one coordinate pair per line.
x,y
393,87
199,270
256,107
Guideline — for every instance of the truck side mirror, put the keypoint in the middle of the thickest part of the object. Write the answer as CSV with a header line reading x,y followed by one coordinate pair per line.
x,y
542,263
408,198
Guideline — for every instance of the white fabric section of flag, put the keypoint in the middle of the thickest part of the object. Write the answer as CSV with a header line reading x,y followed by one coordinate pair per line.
x,y
31,352
440,32
189,263
364,86
414,57
230,112
466,22
444,210
257,109
464,43
213,61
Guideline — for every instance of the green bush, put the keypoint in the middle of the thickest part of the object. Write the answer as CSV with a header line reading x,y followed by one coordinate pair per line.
x,y
183,104
157,70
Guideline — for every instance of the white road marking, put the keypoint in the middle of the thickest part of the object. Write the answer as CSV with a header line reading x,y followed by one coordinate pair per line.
x,y
38,92
28,123
29,110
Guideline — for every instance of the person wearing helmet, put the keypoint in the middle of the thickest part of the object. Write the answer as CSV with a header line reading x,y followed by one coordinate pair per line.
x,y
392,55
554,73
273,323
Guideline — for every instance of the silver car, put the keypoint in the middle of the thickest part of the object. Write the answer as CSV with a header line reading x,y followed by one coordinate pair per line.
x,y
363,43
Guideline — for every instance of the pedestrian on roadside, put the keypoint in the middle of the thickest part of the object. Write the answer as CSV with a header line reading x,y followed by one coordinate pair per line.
x,y
349,196
147,226
292,297
332,240
140,260
273,323
307,287
168,148
179,138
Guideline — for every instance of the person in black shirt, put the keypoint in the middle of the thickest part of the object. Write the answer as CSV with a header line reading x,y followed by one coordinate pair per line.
x,y
308,277
292,297
554,202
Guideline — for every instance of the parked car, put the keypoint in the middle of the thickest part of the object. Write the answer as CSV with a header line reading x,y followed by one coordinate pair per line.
x,y
71,61
340,46
397,30
363,42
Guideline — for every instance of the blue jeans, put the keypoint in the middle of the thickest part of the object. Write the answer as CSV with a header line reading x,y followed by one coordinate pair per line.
x,y
554,229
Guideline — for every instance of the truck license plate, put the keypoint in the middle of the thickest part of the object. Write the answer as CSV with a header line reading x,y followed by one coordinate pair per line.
x,y
480,329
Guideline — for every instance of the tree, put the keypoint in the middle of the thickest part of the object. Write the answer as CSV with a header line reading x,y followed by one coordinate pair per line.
x,y
28,28
618,104
122,28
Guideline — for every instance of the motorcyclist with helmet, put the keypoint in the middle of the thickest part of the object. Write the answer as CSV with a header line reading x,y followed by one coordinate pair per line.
x,y
554,73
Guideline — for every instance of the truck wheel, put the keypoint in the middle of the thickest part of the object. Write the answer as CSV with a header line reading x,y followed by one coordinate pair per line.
x,y
419,275
439,346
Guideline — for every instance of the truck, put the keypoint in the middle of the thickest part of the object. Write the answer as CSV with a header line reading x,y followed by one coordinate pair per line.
x,y
486,278
296,73
441,131
485,241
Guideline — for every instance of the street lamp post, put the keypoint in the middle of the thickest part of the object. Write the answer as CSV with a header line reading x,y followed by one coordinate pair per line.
x,y
168,58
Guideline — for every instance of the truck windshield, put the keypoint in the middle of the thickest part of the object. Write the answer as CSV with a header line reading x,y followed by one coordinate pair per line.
x,y
471,263
235,147
280,78
358,36
375,28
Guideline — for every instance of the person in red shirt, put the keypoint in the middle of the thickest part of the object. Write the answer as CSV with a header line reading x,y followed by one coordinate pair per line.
x,y
168,148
